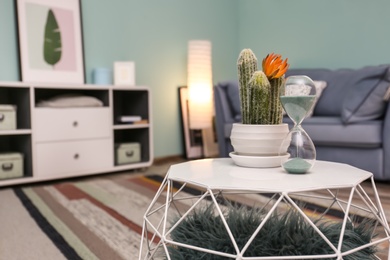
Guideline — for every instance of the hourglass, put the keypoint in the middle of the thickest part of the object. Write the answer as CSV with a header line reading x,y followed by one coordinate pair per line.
x,y
297,100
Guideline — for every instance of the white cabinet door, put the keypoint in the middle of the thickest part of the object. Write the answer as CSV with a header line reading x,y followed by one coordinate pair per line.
x,y
72,158
58,124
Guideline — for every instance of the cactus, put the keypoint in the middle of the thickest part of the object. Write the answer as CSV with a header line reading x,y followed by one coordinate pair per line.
x,y
260,90
276,108
247,65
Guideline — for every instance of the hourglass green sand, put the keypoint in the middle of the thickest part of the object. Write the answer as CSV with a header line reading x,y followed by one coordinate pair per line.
x,y
297,101
297,106
297,166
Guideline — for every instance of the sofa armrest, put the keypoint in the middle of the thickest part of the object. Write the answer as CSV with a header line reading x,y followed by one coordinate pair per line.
x,y
223,109
387,94
386,143
225,113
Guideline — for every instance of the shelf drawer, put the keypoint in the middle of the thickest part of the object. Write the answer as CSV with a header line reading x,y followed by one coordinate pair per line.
x,y
60,158
71,123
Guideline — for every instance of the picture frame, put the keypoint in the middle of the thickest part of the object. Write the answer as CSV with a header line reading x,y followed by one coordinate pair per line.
x,y
192,138
124,73
198,143
50,41
210,141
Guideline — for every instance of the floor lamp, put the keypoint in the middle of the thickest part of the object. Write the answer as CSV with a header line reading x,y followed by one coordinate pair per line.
x,y
200,92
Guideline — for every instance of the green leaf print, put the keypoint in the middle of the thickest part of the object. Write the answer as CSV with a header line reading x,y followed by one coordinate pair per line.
x,y
52,42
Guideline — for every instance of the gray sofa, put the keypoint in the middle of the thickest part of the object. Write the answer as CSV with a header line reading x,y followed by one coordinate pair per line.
x,y
350,122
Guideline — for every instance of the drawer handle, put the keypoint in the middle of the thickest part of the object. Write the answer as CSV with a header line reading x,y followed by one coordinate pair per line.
x,y
76,156
75,123
7,166
129,153
2,116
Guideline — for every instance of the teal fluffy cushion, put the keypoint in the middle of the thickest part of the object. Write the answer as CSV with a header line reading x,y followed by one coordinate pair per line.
x,y
366,101
284,234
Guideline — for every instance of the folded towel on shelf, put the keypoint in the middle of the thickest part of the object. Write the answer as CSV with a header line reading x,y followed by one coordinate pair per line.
x,y
71,100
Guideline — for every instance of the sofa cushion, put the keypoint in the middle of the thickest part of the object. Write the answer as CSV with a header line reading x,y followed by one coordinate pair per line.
x,y
320,85
331,131
317,75
339,84
366,102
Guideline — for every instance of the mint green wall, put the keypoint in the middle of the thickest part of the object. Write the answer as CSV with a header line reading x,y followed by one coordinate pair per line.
x,y
317,33
9,63
155,33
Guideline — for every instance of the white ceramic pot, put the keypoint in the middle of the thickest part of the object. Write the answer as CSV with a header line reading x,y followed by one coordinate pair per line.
x,y
259,140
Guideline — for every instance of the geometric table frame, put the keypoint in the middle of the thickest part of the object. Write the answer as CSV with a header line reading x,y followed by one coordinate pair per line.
x,y
221,178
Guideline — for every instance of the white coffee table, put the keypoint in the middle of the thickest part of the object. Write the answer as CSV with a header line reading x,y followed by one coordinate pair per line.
x,y
222,176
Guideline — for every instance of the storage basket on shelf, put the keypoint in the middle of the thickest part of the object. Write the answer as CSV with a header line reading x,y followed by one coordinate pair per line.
x,y
11,165
127,153
7,117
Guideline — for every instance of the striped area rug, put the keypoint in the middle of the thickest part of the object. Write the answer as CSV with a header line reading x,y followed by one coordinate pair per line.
x,y
99,218
91,218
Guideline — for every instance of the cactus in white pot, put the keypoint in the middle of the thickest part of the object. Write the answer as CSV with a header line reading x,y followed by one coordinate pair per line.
x,y
261,133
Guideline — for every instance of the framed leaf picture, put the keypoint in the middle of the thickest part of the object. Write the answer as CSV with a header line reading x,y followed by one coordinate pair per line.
x,y
50,41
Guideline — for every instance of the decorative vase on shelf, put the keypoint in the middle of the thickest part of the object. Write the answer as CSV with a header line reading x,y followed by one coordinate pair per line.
x,y
257,140
297,100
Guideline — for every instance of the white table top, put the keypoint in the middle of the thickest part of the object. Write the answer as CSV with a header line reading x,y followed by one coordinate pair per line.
x,y
223,174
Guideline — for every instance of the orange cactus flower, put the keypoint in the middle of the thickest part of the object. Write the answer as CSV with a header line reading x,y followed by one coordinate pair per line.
x,y
274,67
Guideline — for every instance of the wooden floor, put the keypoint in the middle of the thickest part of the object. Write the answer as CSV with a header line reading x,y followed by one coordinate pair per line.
x,y
384,194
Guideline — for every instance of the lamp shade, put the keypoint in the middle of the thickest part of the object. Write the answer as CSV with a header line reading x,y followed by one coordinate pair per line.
x,y
199,82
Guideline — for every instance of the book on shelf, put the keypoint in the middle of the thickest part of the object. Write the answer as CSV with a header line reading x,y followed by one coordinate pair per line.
x,y
128,119
132,120
143,121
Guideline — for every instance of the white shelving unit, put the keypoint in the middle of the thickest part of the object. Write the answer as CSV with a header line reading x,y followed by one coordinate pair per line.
x,y
76,141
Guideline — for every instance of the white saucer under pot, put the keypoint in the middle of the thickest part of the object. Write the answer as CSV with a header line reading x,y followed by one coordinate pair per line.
x,y
257,161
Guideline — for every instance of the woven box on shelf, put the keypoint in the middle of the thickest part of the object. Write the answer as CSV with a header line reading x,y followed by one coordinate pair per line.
x,y
11,165
127,153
